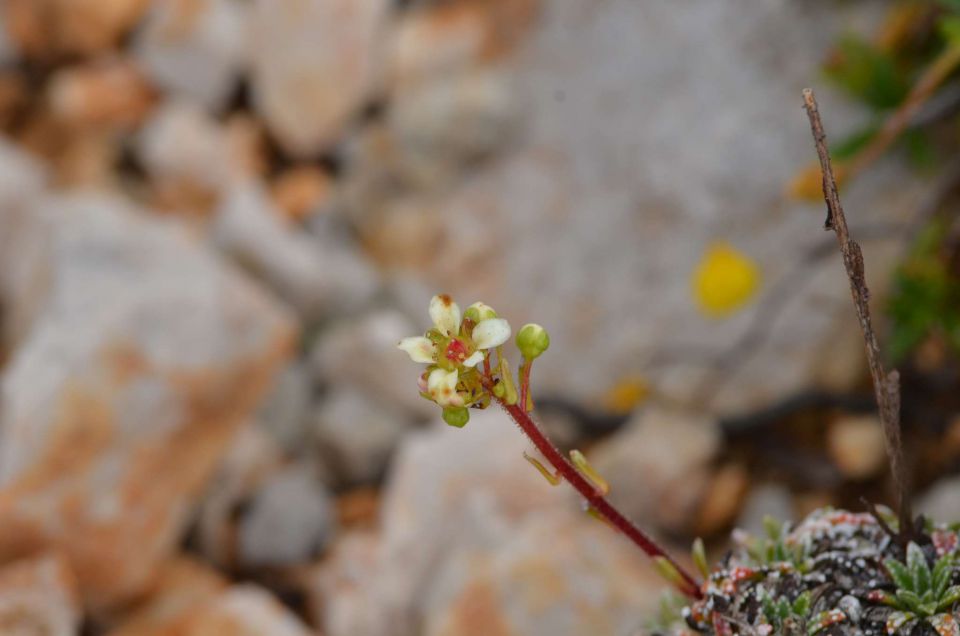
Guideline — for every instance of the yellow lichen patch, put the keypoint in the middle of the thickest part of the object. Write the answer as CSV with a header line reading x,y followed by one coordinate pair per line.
x,y
626,395
724,281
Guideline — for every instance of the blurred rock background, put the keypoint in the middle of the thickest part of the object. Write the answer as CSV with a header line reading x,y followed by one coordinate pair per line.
x,y
218,217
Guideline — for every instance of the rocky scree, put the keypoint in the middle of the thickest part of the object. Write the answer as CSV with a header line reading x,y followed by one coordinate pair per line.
x,y
836,572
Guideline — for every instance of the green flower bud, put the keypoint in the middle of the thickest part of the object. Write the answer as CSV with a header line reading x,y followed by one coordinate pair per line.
x,y
456,416
479,311
532,340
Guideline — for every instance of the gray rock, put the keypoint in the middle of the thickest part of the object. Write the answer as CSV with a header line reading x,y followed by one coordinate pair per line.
x,y
765,500
183,143
285,411
314,64
196,50
317,278
942,501
144,356
252,457
23,242
289,520
338,588
39,596
637,154
362,353
474,541
438,127
356,434
659,465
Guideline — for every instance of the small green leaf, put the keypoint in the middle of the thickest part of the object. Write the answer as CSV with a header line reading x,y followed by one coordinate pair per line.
x,y
917,564
942,572
769,611
949,597
896,620
911,601
668,571
802,605
699,554
772,527
783,609
901,577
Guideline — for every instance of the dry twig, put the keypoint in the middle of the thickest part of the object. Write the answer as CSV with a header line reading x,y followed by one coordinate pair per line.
x,y
886,386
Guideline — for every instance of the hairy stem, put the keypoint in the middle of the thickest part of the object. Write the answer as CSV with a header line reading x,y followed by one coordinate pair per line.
x,y
886,386
593,497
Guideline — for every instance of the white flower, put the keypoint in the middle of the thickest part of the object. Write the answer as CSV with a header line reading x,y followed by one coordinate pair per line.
x,y
419,349
474,359
445,314
491,333
442,387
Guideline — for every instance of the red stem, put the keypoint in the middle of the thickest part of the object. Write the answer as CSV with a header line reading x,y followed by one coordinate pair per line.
x,y
525,384
596,500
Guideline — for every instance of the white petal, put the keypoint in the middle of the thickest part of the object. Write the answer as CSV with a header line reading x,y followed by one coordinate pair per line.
x,y
419,349
442,387
474,360
445,314
490,333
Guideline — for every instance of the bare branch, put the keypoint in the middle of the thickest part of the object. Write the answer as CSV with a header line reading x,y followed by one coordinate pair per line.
x,y
886,386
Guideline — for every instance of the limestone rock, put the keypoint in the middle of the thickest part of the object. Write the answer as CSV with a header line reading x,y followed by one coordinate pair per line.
x,y
48,29
434,41
182,143
473,541
252,457
288,522
241,610
362,354
438,127
356,434
856,446
658,465
942,501
111,94
316,63
195,49
722,500
39,597
285,412
559,574
772,500
317,277
302,191
626,173
180,584
338,589
23,179
144,356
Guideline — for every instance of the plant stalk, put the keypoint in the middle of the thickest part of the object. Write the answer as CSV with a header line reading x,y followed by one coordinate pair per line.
x,y
594,498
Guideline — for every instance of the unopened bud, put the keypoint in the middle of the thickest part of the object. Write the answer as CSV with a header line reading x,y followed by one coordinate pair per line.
x,y
532,340
479,311
456,416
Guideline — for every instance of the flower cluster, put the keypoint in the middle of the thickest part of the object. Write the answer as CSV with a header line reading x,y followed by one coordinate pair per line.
x,y
457,350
